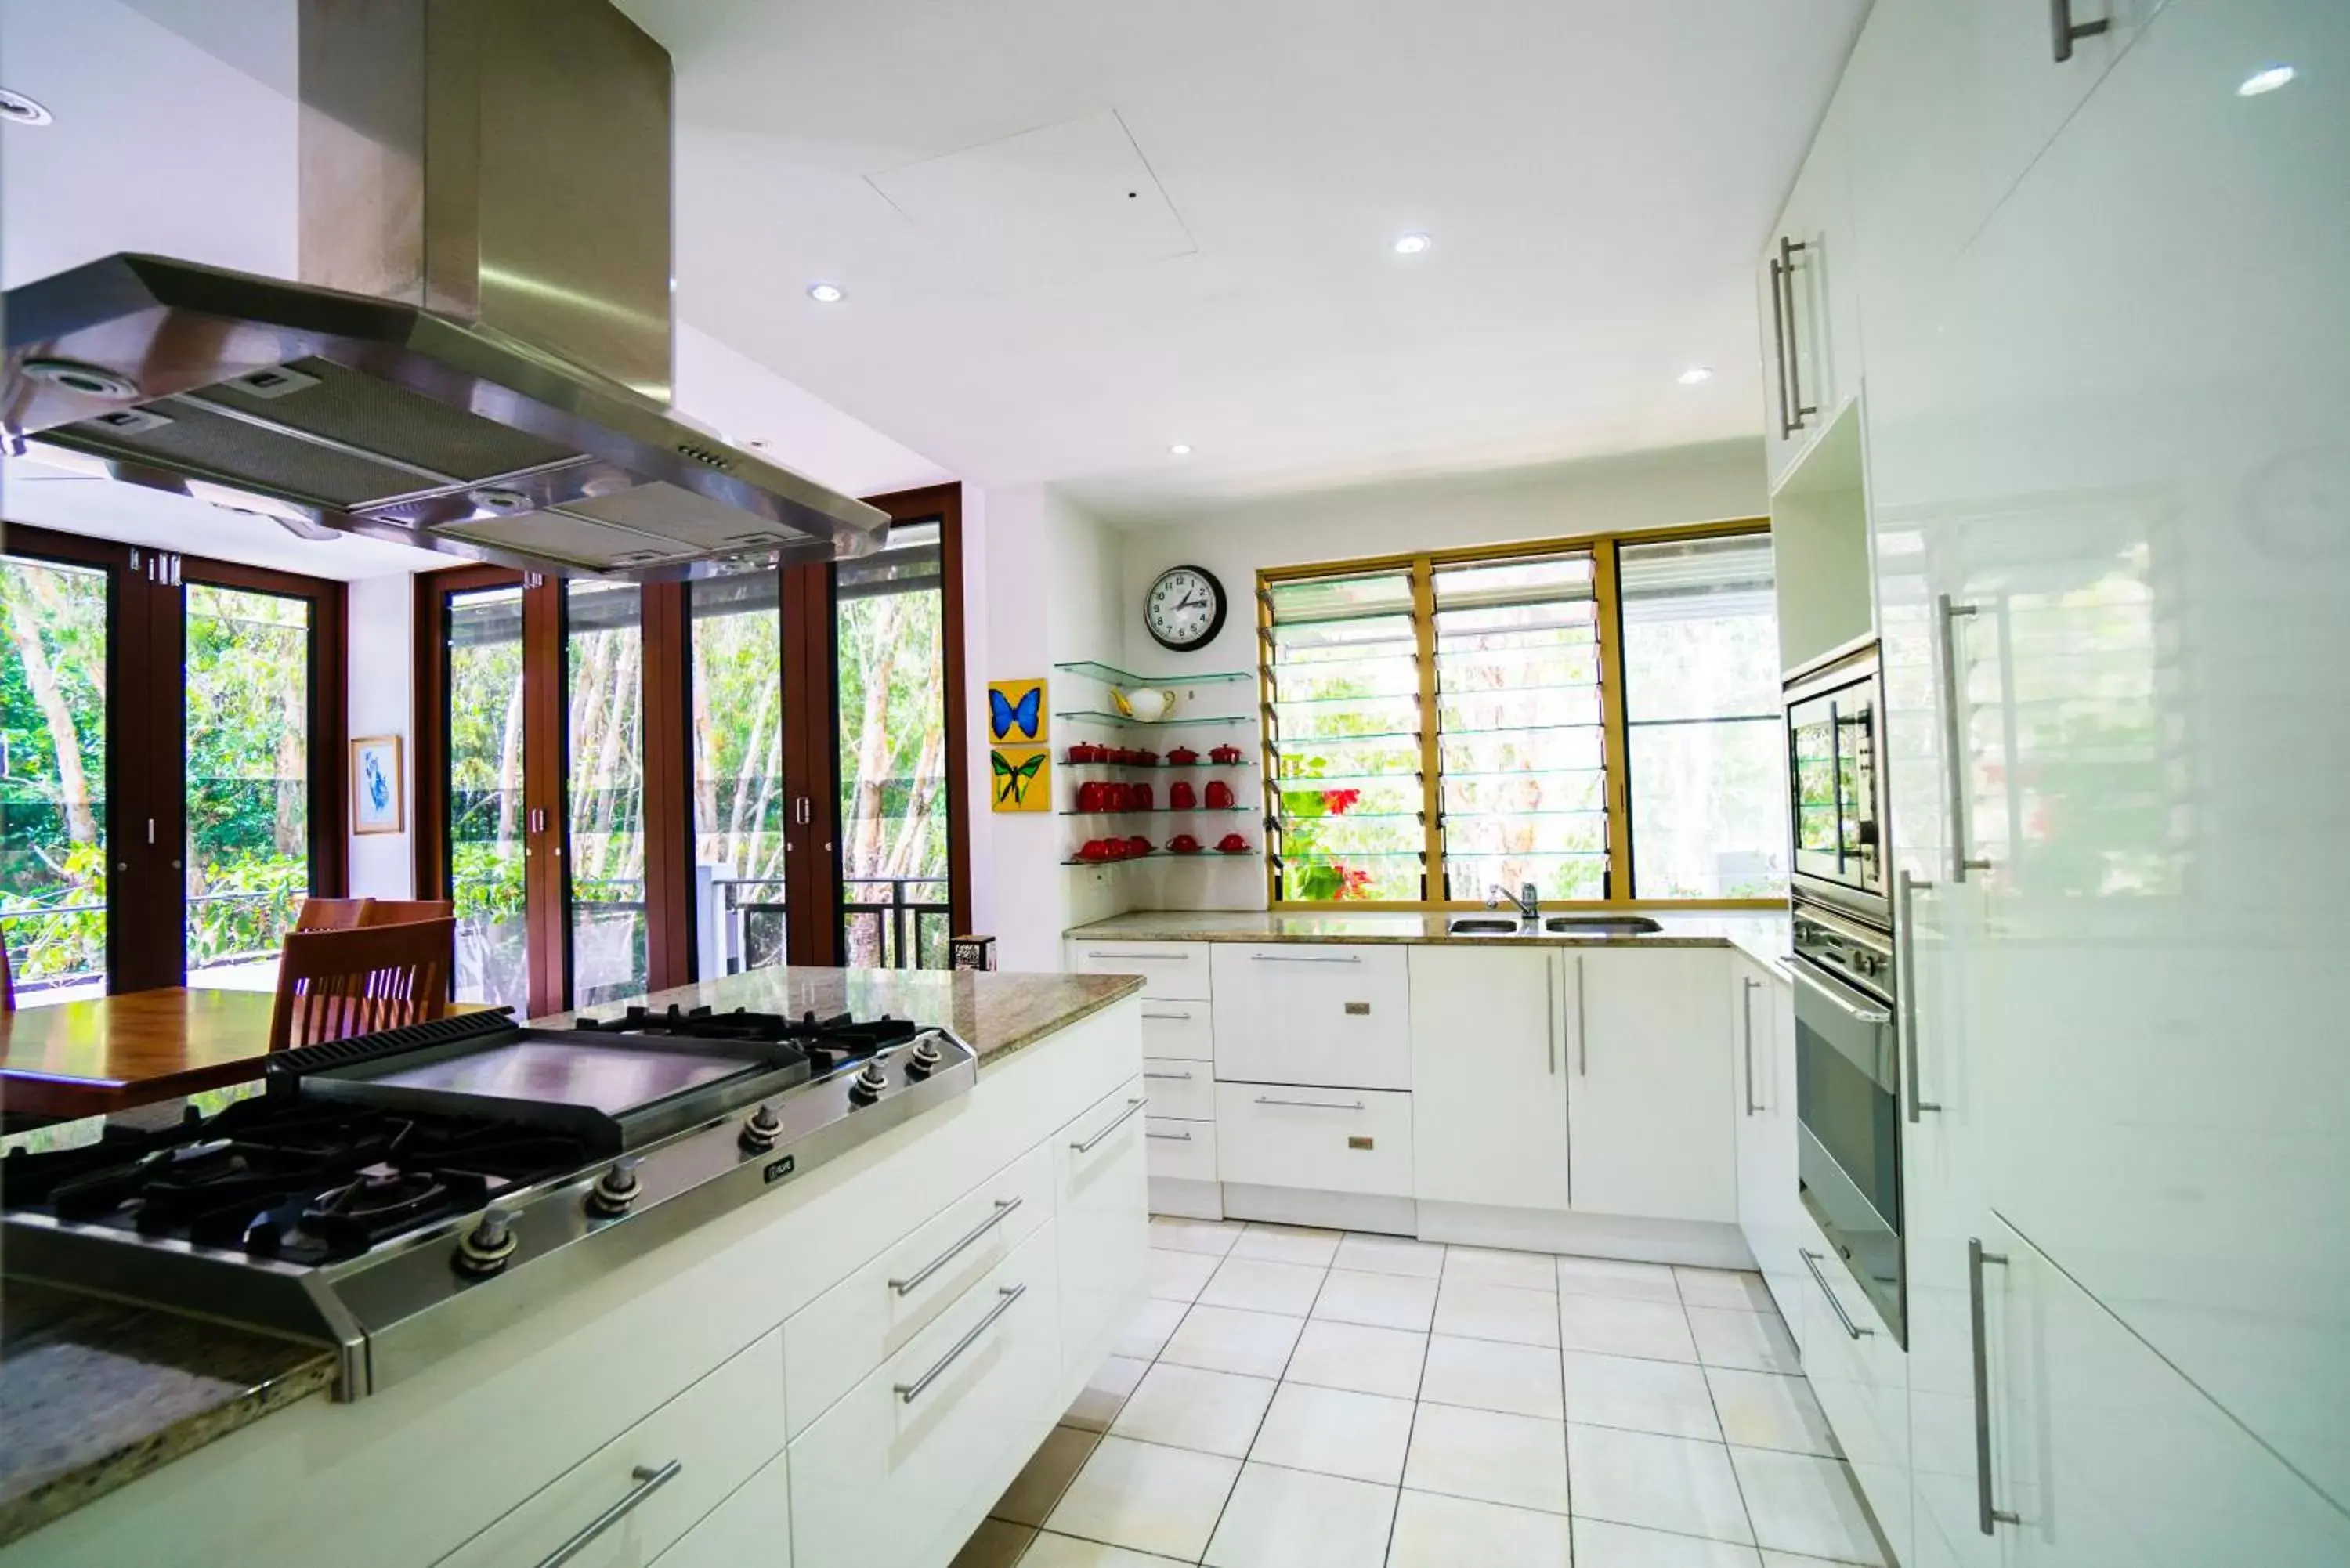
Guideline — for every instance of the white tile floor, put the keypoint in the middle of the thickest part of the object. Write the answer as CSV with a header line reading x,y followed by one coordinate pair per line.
x,y
1295,1398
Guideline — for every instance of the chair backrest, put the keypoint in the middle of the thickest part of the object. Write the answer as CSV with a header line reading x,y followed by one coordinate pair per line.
x,y
405,911
333,984
329,914
7,983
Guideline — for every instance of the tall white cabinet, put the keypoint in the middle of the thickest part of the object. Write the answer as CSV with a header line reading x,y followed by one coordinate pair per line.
x,y
2107,430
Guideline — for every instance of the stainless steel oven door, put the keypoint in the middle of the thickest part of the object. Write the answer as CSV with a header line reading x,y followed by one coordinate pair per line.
x,y
1834,788
1848,1104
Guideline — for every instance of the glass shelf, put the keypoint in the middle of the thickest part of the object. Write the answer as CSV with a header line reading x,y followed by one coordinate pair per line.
x,y
1089,716
1166,811
1161,762
1110,675
1204,853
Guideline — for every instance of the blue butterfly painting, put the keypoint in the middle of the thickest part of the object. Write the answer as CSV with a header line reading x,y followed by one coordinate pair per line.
x,y
1016,711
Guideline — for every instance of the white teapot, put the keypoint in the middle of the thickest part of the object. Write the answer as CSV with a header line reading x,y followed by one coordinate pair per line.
x,y
1148,704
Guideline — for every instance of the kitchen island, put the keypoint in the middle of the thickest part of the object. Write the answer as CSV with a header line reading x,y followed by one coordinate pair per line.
x,y
984,1253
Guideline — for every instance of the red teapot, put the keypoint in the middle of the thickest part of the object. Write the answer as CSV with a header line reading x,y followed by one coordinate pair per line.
x,y
1181,797
1219,795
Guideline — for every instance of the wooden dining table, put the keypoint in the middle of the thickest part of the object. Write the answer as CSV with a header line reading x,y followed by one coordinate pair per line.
x,y
86,1058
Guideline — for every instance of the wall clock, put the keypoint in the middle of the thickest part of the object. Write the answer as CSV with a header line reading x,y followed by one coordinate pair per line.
x,y
1184,608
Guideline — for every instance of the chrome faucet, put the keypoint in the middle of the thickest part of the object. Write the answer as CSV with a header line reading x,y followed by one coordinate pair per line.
x,y
1529,904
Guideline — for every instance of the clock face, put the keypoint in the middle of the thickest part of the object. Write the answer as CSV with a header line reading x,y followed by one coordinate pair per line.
x,y
1185,608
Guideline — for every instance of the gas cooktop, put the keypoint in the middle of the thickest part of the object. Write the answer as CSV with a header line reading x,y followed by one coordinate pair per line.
x,y
459,1171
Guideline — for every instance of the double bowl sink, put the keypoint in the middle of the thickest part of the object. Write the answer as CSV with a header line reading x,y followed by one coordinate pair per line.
x,y
1553,925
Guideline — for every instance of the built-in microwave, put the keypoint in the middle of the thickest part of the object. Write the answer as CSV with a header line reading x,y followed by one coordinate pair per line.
x,y
1836,784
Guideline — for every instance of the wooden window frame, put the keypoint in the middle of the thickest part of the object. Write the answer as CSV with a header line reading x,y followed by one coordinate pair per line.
x,y
1615,729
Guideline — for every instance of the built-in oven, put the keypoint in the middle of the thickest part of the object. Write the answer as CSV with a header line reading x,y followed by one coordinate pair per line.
x,y
1835,786
1848,1099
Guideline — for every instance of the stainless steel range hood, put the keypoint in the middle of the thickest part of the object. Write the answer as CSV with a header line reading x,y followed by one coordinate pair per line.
x,y
477,358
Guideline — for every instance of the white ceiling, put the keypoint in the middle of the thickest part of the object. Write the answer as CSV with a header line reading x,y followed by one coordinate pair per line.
x,y
1597,176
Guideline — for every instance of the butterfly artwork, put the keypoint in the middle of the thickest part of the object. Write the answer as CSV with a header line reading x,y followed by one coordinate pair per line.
x,y
1022,777
1016,712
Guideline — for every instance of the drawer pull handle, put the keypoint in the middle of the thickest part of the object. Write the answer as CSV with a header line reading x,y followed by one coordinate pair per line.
x,y
1182,1077
1170,1137
648,1481
1171,1017
1306,958
1311,1105
1812,1261
1003,1208
910,1392
1116,1122
1145,958
1989,1516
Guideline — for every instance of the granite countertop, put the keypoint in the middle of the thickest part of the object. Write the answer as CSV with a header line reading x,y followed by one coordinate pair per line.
x,y
1761,934
995,1014
94,1393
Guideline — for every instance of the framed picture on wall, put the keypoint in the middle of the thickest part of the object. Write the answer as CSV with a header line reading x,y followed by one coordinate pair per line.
x,y
379,804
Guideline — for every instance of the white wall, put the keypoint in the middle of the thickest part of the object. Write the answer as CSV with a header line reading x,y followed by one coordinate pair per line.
x,y
381,623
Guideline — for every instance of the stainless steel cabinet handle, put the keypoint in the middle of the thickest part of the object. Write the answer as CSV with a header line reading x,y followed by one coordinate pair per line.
x,y
912,1283
1116,1122
1184,1077
1954,736
1310,1105
1986,1514
648,1481
1306,958
1181,1017
1145,958
1747,1006
1905,985
1550,1012
1876,1015
910,1392
1582,1035
1779,342
2063,34
1812,1261
1170,1137
1791,420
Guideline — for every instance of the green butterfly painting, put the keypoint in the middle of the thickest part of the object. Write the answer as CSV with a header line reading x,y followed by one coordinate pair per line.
x,y
1021,775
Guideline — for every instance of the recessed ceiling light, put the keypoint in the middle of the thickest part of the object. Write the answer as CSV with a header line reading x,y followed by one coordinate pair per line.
x,y
827,293
15,108
1181,449
1412,244
2268,80
1694,374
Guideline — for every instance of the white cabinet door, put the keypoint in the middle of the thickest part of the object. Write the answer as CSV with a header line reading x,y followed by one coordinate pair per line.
x,y
1488,1101
1103,1201
1183,1030
1185,1091
1768,1197
2134,441
1170,972
1313,1013
1860,1375
1323,1140
1652,1104
752,1528
2103,1453
1808,301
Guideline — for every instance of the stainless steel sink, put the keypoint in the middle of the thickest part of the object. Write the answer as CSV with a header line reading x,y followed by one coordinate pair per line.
x,y
1602,925
1482,926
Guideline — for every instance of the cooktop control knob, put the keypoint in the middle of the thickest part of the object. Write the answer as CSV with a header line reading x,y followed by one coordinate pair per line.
x,y
761,1131
924,1059
617,1187
866,1087
486,1248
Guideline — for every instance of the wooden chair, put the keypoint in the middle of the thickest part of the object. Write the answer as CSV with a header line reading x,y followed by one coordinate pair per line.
x,y
335,984
404,911
330,914
7,983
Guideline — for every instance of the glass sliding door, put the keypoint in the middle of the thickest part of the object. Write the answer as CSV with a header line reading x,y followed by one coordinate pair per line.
x,y
248,659
604,756
487,811
739,801
53,738
891,657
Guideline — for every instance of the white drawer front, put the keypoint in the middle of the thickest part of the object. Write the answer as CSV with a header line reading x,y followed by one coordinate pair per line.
x,y
1183,1030
1185,1151
716,1434
1103,1216
1313,1013
861,1321
881,1476
1170,972
1862,1384
752,1528
1334,1140
1182,1089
